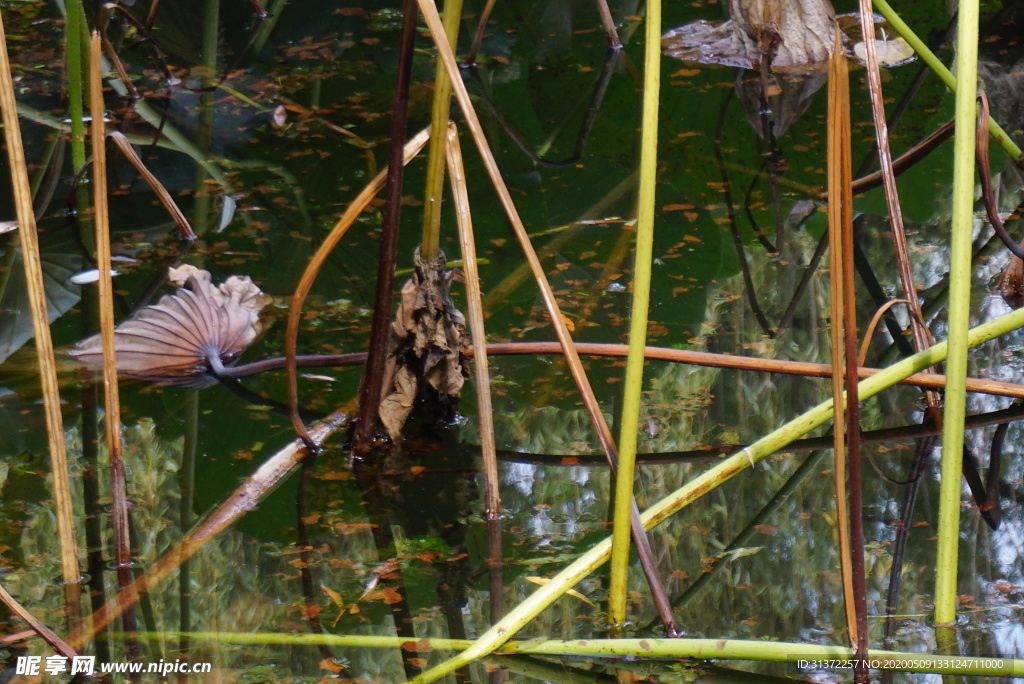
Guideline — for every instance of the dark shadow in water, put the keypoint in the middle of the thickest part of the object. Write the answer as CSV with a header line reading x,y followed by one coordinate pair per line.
x,y
600,88
311,606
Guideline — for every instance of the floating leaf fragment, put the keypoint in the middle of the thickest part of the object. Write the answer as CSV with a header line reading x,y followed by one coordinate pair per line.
x,y
90,276
279,119
227,211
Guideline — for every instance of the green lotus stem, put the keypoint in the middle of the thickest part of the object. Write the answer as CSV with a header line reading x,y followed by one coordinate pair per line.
x,y
639,309
438,127
518,618
74,18
997,133
725,649
959,313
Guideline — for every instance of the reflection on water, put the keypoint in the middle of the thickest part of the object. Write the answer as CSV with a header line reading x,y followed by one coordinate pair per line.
x,y
401,547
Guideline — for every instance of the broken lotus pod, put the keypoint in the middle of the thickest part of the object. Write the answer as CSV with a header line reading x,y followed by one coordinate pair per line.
x,y
188,337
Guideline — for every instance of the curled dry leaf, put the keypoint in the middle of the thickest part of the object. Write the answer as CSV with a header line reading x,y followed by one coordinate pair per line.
x,y
428,345
186,338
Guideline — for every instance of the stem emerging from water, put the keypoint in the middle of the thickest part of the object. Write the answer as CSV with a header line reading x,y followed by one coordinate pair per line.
x,y
638,319
380,331
959,314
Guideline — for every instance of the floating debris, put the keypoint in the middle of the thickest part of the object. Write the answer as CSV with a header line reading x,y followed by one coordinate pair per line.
x,y
90,276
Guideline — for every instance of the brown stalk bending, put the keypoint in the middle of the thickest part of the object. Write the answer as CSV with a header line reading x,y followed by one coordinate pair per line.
x,y
985,176
362,200
840,211
245,498
433,20
161,192
478,37
862,355
608,24
112,401
44,632
365,438
22,193
932,381
921,335
475,311
854,477
907,159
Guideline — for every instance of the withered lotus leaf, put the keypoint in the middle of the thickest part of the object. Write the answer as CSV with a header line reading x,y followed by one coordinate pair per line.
x,y
187,337
428,345
790,34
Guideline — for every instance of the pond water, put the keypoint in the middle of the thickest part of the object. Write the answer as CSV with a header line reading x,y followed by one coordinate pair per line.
x,y
295,124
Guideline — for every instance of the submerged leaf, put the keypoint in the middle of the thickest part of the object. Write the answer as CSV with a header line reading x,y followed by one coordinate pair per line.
x,y
59,263
187,337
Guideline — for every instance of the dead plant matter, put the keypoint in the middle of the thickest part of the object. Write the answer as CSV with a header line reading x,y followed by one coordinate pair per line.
x,y
785,33
186,338
428,345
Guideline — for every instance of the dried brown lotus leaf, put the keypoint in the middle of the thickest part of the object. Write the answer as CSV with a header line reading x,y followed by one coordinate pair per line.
x,y
179,340
797,33
428,344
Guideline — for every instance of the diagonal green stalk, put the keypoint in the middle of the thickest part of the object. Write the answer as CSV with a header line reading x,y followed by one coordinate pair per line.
x,y
945,74
693,490
959,313
438,127
638,319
